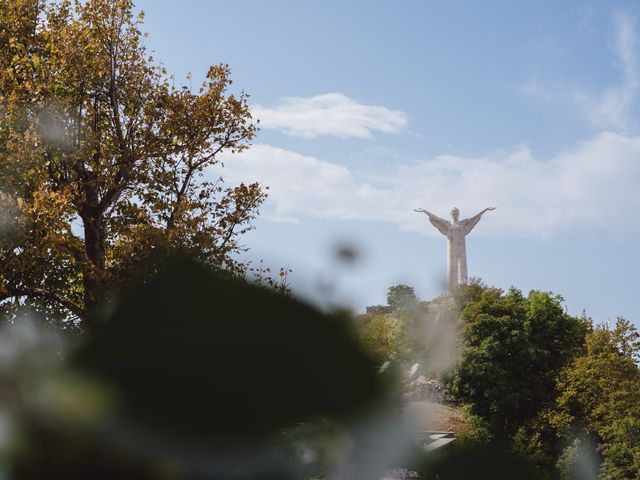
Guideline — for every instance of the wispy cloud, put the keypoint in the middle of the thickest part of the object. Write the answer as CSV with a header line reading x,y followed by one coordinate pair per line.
x,y
612,107
331,114
591,184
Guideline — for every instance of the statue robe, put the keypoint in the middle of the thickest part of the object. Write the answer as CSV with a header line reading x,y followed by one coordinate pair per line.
x,y
456,246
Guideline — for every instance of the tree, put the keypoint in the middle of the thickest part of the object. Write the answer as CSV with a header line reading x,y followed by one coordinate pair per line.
x,y
384,336
599,398
514,347
102,159
399,296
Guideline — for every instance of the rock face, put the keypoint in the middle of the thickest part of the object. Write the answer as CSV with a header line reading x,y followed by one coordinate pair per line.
x,y
400,474
422,389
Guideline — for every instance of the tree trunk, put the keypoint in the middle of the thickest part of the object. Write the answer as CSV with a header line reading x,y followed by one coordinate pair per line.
x,y
93,271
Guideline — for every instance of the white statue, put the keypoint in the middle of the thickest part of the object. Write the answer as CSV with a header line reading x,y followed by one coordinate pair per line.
x,y
455,231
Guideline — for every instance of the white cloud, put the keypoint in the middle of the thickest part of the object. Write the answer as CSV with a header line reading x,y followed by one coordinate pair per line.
x,y
298,184
331,114
611,108
595,183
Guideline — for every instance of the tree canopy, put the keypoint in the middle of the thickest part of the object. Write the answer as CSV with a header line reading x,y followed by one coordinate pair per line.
x,y
514,347
103,159
401,295
551,386
599,399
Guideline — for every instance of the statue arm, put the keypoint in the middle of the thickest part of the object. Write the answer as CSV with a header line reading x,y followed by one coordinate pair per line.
x,y
441,224
469,223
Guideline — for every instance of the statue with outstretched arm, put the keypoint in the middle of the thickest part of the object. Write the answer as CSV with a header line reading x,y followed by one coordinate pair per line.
x,y
455,231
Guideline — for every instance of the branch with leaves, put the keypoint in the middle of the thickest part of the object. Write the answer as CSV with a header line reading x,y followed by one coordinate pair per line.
x,y
104,161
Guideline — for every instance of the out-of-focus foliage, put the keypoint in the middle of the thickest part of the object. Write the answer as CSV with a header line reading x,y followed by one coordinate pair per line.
x,y
102,158
401,296
470,460
513,349
413,332
199,375
194,375
243,337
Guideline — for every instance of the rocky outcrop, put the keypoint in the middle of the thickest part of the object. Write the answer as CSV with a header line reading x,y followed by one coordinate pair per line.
x,y
422,389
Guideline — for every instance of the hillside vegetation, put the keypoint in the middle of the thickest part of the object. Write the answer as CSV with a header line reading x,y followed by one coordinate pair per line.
x,y
531,378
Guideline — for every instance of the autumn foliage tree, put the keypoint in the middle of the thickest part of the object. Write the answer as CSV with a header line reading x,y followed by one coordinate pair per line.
x,y
599,400
103,159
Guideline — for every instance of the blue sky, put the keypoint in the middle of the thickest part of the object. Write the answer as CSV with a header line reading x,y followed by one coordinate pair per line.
x,y
372,108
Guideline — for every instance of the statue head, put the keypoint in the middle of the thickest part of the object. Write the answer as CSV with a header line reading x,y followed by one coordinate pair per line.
x,y
455,213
